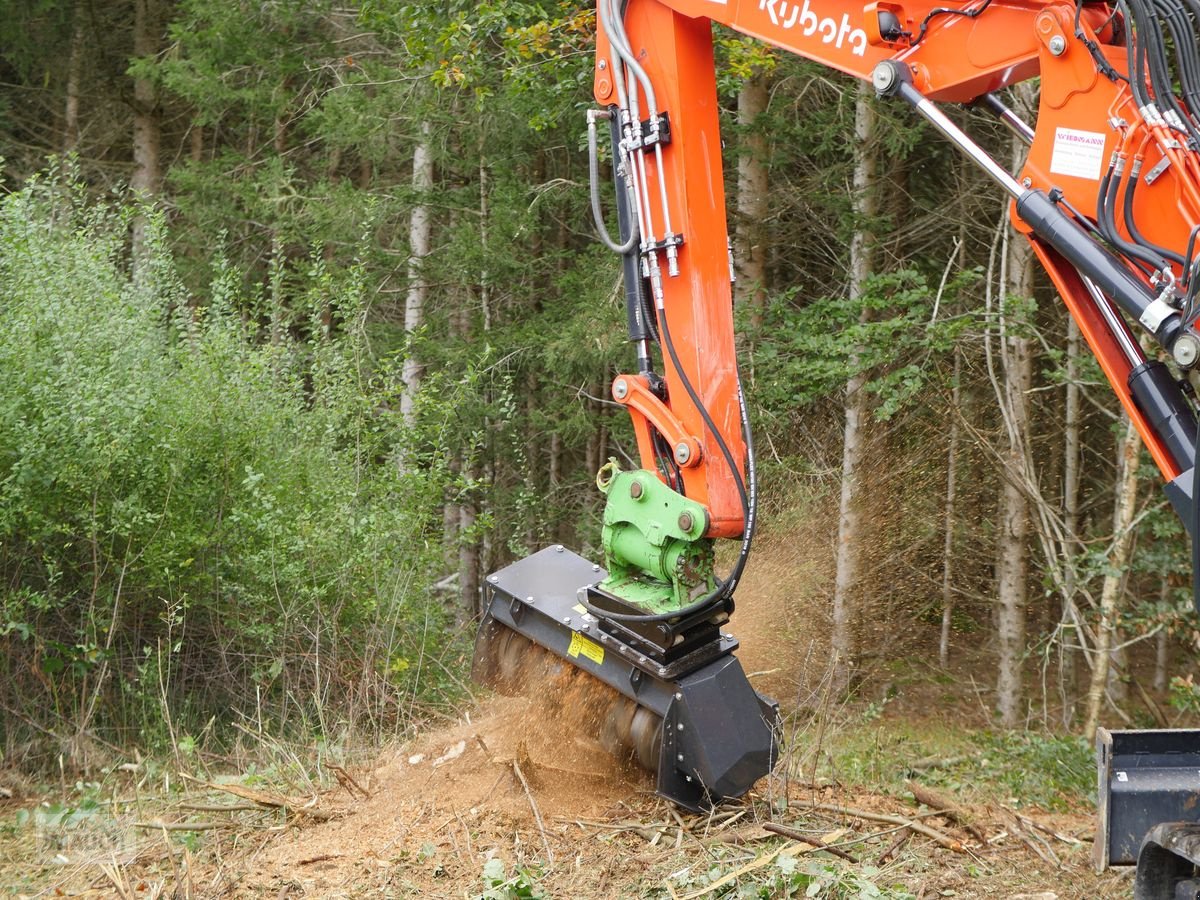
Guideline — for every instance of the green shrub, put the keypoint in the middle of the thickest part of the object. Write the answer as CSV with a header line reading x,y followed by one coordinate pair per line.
x,y
201,510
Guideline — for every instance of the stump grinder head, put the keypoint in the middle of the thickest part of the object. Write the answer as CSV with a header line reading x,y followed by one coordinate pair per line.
x,y
682,704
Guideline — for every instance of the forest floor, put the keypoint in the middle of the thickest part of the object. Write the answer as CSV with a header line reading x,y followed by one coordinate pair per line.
x,y
517,799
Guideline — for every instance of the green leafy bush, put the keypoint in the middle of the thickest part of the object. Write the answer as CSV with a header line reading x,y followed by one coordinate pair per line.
x,y
201,509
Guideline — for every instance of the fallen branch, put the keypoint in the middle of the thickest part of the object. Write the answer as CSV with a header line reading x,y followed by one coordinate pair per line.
x,y
182,826
537,816
887,854
346,780
219,807
1065,838
275,801
1034,841
940,837
794,835
947,808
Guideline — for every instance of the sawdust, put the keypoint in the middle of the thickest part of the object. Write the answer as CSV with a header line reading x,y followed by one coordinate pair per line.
x,y
782,616
439,808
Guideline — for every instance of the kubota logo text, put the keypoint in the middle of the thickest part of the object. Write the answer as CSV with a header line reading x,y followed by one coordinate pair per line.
x,y
789,15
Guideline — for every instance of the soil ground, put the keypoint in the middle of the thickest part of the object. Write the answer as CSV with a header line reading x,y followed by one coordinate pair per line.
x,y
519,799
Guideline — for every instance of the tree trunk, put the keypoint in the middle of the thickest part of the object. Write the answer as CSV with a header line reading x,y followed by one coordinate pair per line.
x,y
469,572
950,517
850,539
750,246
420,235
1114,576
1071,456
146,179
1162,645
1012,563
70,141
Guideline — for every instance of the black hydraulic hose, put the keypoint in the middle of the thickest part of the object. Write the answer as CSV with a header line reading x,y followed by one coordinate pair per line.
x,y
1108,197
1131,226
631,240
1102,64
1187,63
1133,50
1152,47
1192,95
747,491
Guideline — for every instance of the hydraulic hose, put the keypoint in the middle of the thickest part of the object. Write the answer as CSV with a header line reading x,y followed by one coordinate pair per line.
x,y
747,491
630,242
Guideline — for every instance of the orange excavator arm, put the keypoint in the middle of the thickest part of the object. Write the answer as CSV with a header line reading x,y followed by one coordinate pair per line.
x,y
1109,198
1090,125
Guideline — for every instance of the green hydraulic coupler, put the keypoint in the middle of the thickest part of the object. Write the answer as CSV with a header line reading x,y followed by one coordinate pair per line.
x,y
657,557
682,705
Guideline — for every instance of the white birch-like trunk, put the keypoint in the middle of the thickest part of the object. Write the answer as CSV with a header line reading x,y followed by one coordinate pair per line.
x,y
950,513
1071,457
1114,578
70,140
850,538
420,236
750,246
146,179
1162,651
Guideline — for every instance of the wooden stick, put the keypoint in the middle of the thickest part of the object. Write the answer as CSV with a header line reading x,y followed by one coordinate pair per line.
x,y
182,826
944,839
348,781
946,807
219,807
794,835
537,816
1065,838
887,854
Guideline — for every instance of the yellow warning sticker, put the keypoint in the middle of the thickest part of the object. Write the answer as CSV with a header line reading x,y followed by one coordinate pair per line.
x,y
579,608
585,647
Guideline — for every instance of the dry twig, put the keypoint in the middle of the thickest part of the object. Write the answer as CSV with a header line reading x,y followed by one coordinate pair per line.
x,y
946,807
794,835
537,815
944,839
887,854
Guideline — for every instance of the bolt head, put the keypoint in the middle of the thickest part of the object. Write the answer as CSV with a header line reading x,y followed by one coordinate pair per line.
x,y
1057,45
621,389
679,727
679,757
686,522
682,453
635,490
1026,182
1186,350
678,695
883,77
566,620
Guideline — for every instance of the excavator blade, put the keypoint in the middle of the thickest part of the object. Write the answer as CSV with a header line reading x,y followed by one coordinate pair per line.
x,y
696,722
